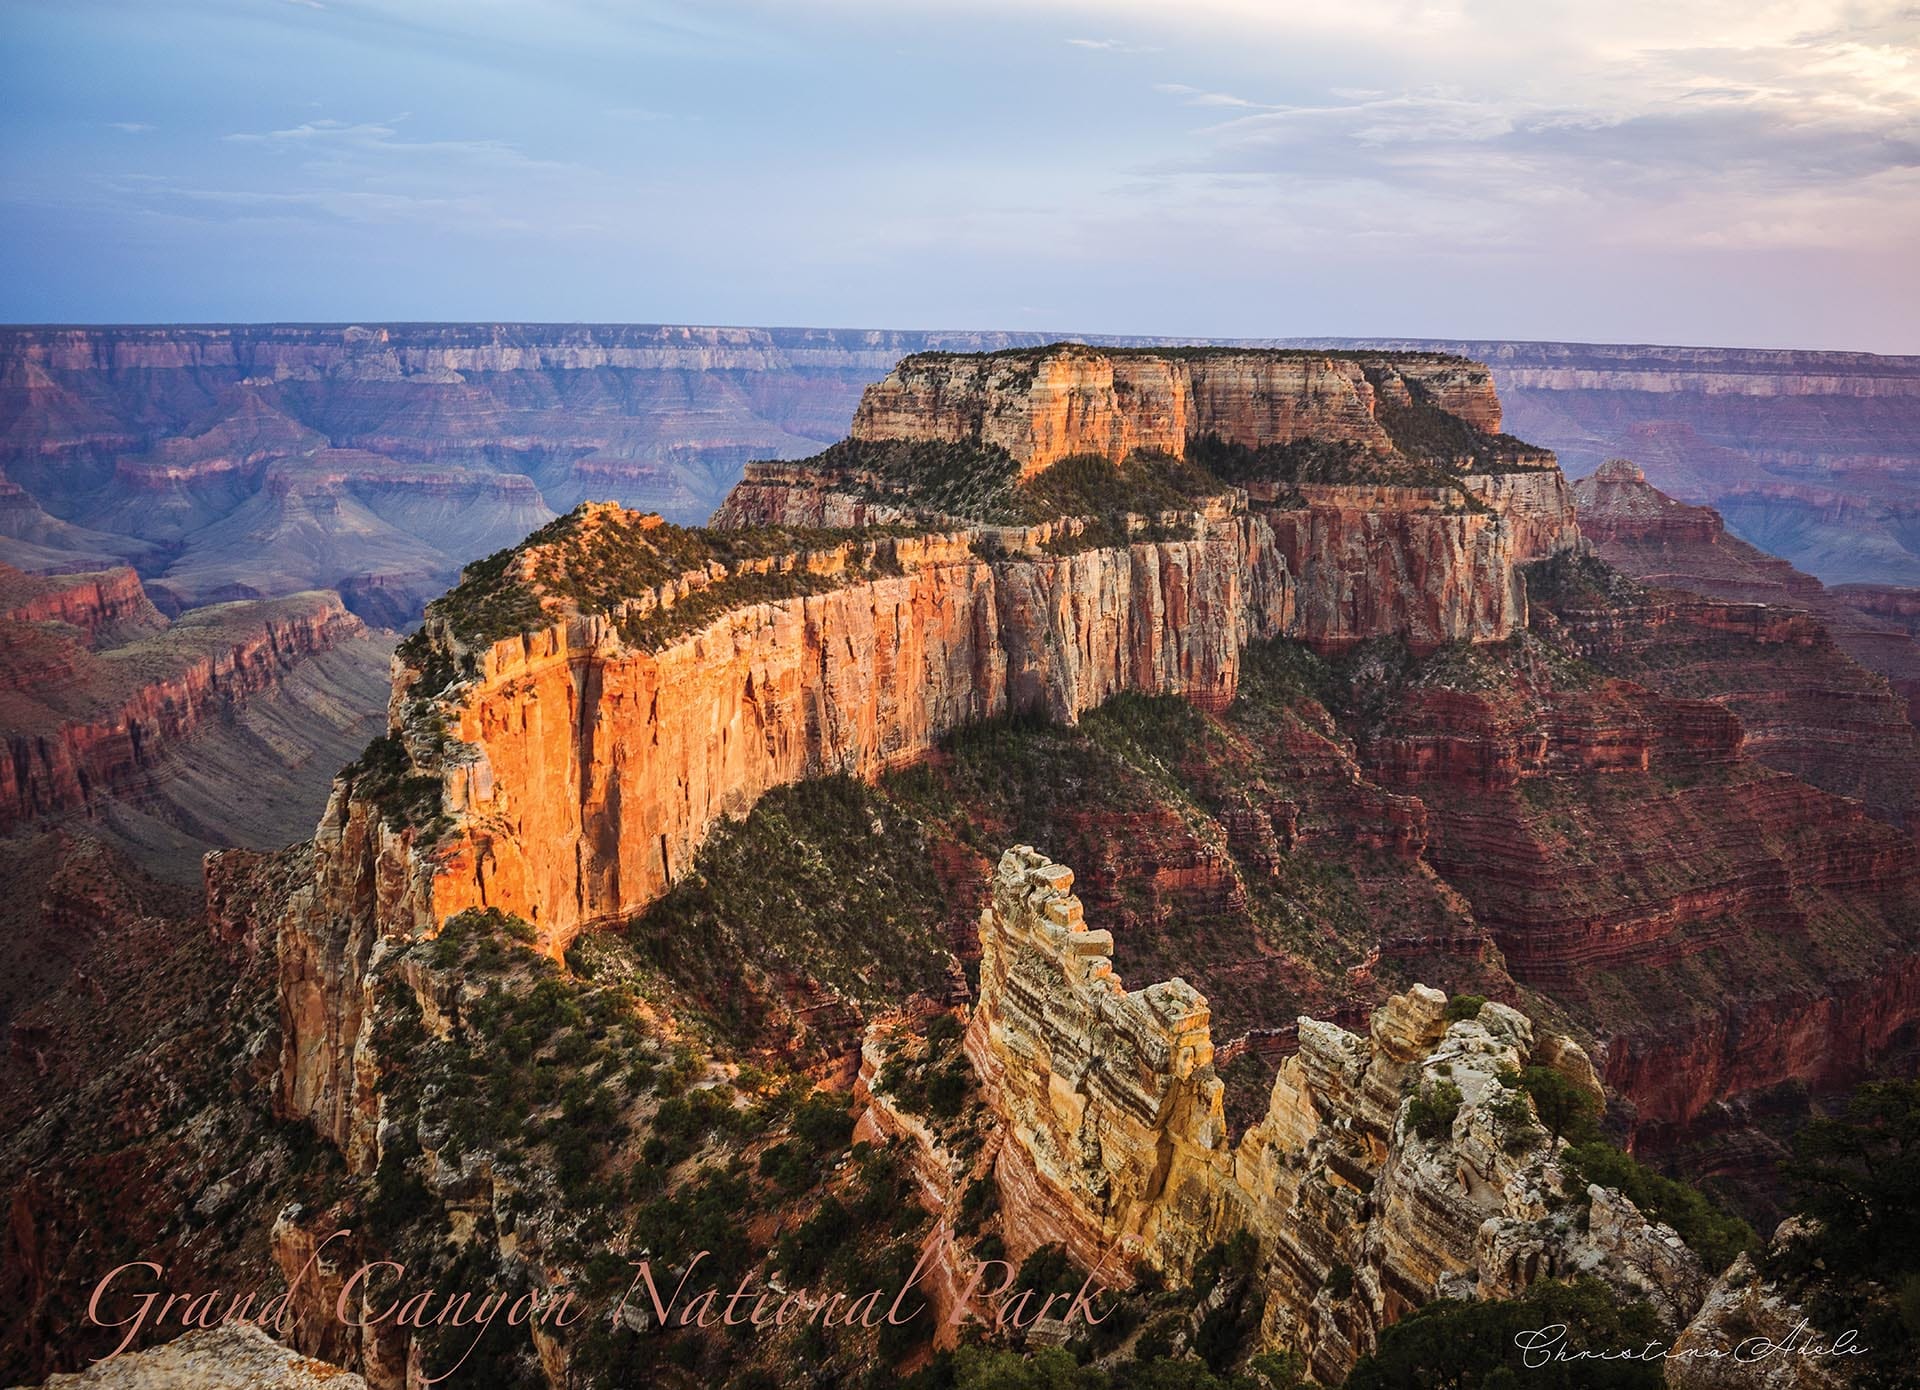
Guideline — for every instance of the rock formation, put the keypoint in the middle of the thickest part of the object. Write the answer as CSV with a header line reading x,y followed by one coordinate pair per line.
x,y
1043,405
579,762
1806,451
1117,1148
233,1356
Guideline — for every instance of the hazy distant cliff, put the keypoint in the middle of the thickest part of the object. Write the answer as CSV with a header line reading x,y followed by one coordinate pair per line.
x,y
250,461
222,727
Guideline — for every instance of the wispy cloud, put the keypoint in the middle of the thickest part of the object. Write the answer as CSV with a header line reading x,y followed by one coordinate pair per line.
x,y
1284,155
383,138
1194,96
1112,46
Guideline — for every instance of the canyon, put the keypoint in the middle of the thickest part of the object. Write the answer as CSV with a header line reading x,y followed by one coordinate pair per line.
x,y
253,461
571,773
617,758
171,737
1327,689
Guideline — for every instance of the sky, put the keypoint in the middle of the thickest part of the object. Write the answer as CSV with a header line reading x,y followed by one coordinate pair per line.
x,y
1686,171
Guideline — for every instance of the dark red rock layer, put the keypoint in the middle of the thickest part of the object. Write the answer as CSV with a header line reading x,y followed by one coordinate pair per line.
x,y
1792,671
87,722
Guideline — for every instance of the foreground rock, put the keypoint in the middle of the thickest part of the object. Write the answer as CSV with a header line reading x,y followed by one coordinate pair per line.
x,y
236,1356
1118,1148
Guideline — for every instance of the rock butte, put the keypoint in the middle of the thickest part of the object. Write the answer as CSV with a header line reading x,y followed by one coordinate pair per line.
x,y
581,772
1045,405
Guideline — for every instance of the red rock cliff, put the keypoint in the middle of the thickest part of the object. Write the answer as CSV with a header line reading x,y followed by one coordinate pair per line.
x,y
581,762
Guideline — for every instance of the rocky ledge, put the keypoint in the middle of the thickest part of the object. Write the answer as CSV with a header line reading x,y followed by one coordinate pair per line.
x,y
1042,405
1390,1168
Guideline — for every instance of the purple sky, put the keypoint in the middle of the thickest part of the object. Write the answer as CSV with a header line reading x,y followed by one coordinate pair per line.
x,y
1703,172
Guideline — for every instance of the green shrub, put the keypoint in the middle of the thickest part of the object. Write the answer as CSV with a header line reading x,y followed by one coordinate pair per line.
x,y
823,1123
1474,1342
1433,1109
1714,1235
1565,1109
1465,1006
1340,1281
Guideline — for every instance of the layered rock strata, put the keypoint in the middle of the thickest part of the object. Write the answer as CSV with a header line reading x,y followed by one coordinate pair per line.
x,y
1808,706
1045,405
1116,1147
96,687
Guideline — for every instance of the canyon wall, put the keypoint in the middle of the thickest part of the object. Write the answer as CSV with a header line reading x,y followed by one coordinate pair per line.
x,y
157,733
1117,1146
1813,456
621,759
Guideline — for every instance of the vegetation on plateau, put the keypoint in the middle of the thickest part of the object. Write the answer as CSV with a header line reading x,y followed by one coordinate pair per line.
x,y
596,562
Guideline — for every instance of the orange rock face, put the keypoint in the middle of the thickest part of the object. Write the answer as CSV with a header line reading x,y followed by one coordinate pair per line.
x,y
1045,405
596,770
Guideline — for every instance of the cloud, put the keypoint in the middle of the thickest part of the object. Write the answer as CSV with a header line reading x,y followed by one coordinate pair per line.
x,y
131,127
1111,46
335,140
1193,96
1638,132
